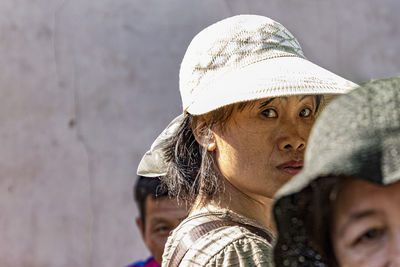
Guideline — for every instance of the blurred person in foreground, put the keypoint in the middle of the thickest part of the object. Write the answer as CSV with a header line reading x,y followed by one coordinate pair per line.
x,y
343,208
158,216
249,98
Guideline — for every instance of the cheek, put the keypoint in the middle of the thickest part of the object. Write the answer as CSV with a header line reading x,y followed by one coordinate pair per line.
x,y
376,259
249,153
305,128
156,243
375,256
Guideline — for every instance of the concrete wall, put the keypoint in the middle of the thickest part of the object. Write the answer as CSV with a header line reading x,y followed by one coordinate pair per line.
x,y
87,85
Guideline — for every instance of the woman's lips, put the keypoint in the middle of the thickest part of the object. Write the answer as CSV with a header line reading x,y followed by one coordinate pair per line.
x,y
291,167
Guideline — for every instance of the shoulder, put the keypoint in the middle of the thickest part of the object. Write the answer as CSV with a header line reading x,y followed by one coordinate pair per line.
x,y
229,245
233,245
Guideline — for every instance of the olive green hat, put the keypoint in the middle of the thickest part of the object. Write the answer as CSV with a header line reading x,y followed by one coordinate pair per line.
x,y
357,135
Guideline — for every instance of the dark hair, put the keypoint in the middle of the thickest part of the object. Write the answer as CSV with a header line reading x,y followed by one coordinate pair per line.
x,y
144,187
191,168
315,209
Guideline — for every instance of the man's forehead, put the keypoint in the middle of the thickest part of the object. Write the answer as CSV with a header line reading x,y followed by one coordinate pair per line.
x,y
162,204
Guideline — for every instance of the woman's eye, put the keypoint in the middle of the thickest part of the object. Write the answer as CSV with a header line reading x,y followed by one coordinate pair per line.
x,y
370,235
306,112
270,113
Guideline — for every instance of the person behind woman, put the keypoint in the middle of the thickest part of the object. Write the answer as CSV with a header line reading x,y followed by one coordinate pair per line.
x,y
343,208
249,99
158,216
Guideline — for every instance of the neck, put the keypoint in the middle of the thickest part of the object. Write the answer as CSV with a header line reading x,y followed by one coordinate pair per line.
x,y
256,208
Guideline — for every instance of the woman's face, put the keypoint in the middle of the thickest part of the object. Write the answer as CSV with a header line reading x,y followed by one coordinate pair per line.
x,y
366,225
262,146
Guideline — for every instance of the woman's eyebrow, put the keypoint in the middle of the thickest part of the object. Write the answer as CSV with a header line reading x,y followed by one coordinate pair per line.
x,y
305,96
354,217
266,102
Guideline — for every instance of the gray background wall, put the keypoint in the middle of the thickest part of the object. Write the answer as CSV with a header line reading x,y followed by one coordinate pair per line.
x,y
85,86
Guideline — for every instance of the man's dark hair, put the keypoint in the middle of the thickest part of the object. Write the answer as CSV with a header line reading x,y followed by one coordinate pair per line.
x,y
146,186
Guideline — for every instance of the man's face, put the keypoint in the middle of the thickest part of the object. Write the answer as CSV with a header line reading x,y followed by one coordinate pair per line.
x,y
162,216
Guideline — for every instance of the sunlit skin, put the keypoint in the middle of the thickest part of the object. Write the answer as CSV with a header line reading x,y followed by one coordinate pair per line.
x,y
260,148
366,229
162,216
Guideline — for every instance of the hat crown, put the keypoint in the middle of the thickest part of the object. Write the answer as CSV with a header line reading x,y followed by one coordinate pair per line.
x,y
231,44
360,134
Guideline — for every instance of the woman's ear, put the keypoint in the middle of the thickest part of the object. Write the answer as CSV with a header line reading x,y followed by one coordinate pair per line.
x,y
203,134
140,225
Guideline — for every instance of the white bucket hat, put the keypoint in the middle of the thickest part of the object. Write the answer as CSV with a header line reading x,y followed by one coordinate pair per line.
x,y
238,59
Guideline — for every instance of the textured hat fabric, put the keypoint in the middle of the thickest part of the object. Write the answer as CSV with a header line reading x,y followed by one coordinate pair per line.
x,y
243,58
153,163
357,135
249,57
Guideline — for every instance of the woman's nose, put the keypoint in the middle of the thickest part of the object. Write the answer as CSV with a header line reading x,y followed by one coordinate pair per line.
x,y
295,144
291,139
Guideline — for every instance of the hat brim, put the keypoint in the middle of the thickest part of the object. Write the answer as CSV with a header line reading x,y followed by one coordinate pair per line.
x,y
153,163
282,76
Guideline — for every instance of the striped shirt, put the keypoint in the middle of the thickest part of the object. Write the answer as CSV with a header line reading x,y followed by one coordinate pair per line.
x,y
225,246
